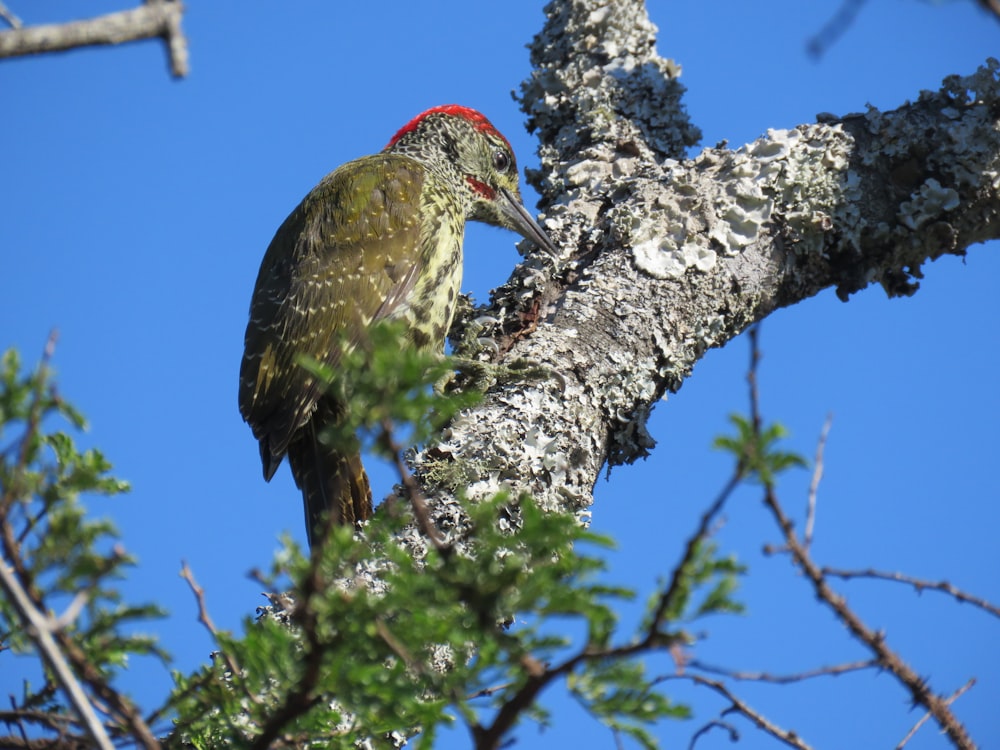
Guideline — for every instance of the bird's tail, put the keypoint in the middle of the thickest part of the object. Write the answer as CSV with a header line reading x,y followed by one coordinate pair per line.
x,y
335,488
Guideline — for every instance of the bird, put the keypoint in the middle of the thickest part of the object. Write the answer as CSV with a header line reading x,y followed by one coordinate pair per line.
x,y
379,238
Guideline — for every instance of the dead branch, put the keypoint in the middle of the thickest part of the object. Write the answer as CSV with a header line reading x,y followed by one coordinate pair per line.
x,y
154,19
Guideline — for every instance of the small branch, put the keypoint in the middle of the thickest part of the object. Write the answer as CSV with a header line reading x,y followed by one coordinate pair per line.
x,y
69,615
923,719
833,671
153,19
875,641
205,619
676,580
734,733
13,21
814,482
834,28
396,646
788,736
413,491
199,594
40,631
753,333
918,584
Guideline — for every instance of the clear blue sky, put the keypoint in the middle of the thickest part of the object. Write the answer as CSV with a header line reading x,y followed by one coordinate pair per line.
x,y
136,210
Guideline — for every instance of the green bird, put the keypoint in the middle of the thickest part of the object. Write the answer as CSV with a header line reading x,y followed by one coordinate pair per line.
x,y
378,238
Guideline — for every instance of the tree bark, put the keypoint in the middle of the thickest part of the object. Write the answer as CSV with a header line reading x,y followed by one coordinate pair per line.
x,y
155,18
665,257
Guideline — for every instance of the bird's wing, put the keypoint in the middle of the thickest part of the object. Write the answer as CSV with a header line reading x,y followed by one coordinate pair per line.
x,y
347,255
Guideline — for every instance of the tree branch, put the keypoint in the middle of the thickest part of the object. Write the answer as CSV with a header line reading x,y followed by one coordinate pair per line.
x,y
40,629
664,259
155,18
917,583
918,688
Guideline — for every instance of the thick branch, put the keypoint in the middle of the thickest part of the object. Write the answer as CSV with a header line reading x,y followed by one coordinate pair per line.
x,y
156,18
665,259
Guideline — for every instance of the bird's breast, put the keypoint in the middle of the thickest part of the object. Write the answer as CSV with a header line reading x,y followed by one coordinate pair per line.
x,y
429,308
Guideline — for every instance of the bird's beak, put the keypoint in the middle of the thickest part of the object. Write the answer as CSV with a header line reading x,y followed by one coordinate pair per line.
x,y
523,223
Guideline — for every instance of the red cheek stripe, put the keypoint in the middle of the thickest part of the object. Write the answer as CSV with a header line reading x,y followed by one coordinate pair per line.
x,y
481,187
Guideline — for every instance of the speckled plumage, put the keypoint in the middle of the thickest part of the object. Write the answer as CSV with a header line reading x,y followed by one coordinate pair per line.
x,y
379,237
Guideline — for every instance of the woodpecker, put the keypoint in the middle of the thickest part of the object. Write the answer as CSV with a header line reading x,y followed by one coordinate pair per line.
x,y
378,238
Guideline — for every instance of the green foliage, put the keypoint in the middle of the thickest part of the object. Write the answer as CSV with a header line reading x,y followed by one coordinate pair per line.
x,y
755,451
428,647
374,642
377,639
62,559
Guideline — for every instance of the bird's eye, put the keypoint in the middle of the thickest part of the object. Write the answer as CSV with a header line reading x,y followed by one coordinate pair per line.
x,y
501,161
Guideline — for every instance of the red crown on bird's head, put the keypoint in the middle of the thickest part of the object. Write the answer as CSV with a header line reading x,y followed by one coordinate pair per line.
x,y
478,120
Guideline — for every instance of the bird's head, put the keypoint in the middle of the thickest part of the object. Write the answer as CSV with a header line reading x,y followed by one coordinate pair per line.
x,y
461,144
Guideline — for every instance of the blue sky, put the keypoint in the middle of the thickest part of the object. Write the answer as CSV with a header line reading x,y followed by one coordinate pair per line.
x,y
136,210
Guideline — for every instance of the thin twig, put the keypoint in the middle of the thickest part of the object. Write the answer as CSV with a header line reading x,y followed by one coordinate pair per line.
x,y
205,619
676,580
814,482
69,615
13,21
413,491
917,583
875,641
737,705
396,646
834,28
833,671
18,719
755,356
734,733
489,691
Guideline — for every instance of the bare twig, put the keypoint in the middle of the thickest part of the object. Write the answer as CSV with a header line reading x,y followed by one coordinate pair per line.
x,y
837,669
69,615
205,619
918,584
155,18
923,719
875,641
487,692
199,594
814,482
13,21
755,356
834,28
737,705
734,733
